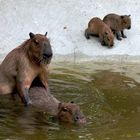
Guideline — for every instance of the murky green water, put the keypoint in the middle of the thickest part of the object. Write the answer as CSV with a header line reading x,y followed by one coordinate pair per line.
x,y
108,94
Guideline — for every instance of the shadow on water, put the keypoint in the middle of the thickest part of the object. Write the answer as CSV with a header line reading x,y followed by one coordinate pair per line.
x,y
109,95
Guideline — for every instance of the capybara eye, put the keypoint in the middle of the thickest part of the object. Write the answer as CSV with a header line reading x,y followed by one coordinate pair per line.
x,y
65,109
36,42
72,102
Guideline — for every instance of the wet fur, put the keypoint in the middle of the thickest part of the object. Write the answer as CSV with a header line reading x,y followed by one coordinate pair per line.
x,y
22,65
64,112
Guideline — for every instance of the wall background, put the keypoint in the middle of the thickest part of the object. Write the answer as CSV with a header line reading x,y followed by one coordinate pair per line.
x,y
65,21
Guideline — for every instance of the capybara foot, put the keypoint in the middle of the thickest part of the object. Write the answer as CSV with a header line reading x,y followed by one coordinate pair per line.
x,y
87,35
119,38
124,36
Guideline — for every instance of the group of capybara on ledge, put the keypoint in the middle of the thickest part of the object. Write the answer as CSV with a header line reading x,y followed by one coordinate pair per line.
x,y
24,70
112,24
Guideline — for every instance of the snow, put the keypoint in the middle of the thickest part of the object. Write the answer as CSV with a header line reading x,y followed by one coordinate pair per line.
x,y
65,22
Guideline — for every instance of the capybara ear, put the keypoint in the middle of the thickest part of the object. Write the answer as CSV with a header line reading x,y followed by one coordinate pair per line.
x,y
46,33
129,15
31,35
122,17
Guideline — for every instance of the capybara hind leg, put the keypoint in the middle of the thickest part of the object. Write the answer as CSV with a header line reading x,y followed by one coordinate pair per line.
x,y
122,33
87,34
5,89
118,36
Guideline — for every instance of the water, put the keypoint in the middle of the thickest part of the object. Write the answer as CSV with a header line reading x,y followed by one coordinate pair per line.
x,y
108,94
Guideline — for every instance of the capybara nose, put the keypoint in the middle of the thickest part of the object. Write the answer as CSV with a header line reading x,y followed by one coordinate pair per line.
x,y
47,55
129,27
110,46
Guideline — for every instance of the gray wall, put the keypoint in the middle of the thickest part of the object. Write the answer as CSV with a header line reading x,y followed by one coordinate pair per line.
x,y
19,17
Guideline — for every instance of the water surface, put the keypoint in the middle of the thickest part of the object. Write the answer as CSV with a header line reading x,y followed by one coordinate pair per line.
x,y
108,94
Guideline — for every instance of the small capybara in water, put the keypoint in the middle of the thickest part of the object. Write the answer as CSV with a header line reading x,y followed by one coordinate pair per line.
x,y
23,64
118,23
64,112
97,27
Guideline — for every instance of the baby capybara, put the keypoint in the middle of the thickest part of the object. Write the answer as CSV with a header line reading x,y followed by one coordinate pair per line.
x,y
23,64
118,23
97,27
65,112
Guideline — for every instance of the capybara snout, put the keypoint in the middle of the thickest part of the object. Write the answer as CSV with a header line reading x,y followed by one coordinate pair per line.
x,y
70,112
126,21
41,47
108,39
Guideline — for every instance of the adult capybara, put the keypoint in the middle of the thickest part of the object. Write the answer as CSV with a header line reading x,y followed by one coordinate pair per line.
x,y
118,23
97,27
65,112
23,64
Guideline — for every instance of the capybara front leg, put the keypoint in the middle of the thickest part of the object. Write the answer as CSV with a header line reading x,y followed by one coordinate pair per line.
x,y
43,79
118,36
122,33
23,92
87,35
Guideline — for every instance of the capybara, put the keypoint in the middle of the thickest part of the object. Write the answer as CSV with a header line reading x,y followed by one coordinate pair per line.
x,y
65,112
97,27
118,23
23,64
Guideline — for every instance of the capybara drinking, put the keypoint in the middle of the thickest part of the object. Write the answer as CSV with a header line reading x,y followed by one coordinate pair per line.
x,y
65,112
23,64
97,27
118,23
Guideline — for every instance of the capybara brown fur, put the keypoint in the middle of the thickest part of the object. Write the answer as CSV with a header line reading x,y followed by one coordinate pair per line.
x,y
23,64
64,112
97,27
118,23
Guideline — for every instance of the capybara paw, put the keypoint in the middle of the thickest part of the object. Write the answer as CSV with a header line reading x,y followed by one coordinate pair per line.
x,y
124,36
119,38
87,36
27,103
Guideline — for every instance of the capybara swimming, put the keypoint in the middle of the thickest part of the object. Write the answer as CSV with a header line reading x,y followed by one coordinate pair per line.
x,y
98,28
65,112
23,64
118,23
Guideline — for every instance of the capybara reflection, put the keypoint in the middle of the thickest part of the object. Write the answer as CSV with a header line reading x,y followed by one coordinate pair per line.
x,y
97,27
65,112
118,23
23,64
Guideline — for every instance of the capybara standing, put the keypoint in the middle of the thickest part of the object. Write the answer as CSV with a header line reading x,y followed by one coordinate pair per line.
x,y
97,27
23,64
118,23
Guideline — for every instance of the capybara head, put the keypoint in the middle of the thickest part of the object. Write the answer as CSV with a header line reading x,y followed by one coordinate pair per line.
x,y
70,113
126,21
40,49
108,38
